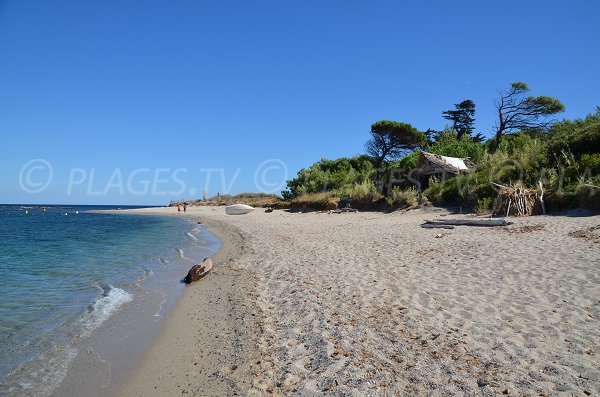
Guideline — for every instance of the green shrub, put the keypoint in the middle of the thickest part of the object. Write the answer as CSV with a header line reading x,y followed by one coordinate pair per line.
x,y
589,163
398,173
434,192
485,191
519,157
484,205
589,197
403,198
314,202
406,163
364,192
580,136
452,192
466,189
561,200
326,175
463,148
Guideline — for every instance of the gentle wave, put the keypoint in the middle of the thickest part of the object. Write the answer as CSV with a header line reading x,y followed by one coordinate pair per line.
x,y
40,380
160,307
190,235
145,273
163,261
48,322
103,308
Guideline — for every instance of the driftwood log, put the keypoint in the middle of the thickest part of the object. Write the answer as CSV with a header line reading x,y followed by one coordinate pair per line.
x,y
198,271
443,223
436,226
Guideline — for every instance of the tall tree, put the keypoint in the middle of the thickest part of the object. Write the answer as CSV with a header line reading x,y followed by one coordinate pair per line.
x,y
391,139
462,117
517,112
430,134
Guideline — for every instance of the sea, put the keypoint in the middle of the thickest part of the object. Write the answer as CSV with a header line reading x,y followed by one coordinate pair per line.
x,y
78,288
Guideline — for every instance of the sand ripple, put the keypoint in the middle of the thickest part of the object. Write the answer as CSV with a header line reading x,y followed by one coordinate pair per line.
x,y
371,304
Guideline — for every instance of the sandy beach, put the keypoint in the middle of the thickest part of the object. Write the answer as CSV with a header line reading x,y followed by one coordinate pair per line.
x,y
368,303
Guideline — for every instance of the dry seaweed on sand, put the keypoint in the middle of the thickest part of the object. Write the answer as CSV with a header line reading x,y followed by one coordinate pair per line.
x,y
591,233
526,228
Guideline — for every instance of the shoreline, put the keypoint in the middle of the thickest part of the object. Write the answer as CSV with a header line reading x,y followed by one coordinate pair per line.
x,y
370,303
107,358
199,342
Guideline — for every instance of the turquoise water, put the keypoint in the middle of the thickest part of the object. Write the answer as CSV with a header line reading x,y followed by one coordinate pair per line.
x,y
64,272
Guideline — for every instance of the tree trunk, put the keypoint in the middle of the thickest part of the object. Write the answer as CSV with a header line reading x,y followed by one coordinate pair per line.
x,y
498,138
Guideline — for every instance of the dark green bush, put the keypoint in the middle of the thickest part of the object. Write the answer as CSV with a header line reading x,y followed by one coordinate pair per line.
x,y
589,197
485,191
327,175
447,144
589,163
453,192
578,137
434,191
561,200
484,205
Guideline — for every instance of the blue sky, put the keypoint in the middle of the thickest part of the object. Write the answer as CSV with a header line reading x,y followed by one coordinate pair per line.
x,y
140,102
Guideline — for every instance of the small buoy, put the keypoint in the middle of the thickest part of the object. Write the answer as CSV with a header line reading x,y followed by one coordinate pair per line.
x,y
66,214
26,212
77,212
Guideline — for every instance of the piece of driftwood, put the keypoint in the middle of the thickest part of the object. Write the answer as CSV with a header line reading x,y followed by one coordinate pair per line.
x,y
342,210
436,226
199,271
541,197
468,222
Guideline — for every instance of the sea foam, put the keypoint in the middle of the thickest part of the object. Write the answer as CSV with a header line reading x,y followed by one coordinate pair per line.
x,y
103,308
190,235
26,381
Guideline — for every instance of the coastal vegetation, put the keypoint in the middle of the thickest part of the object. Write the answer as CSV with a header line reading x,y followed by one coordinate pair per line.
x,y
527,149
253,199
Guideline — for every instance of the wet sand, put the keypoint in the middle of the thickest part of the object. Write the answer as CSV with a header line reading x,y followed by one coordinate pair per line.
x,y
372,304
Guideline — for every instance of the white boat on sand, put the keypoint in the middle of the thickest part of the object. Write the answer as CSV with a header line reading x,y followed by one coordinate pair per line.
x,y
238,209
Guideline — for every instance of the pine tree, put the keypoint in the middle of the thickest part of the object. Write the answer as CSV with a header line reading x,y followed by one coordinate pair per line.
x,y
462,117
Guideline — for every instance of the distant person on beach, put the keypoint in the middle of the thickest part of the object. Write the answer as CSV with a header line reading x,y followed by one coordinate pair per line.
x,y
178,207
184,207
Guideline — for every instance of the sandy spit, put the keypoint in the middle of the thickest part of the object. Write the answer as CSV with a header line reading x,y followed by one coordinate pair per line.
x,y
362,304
